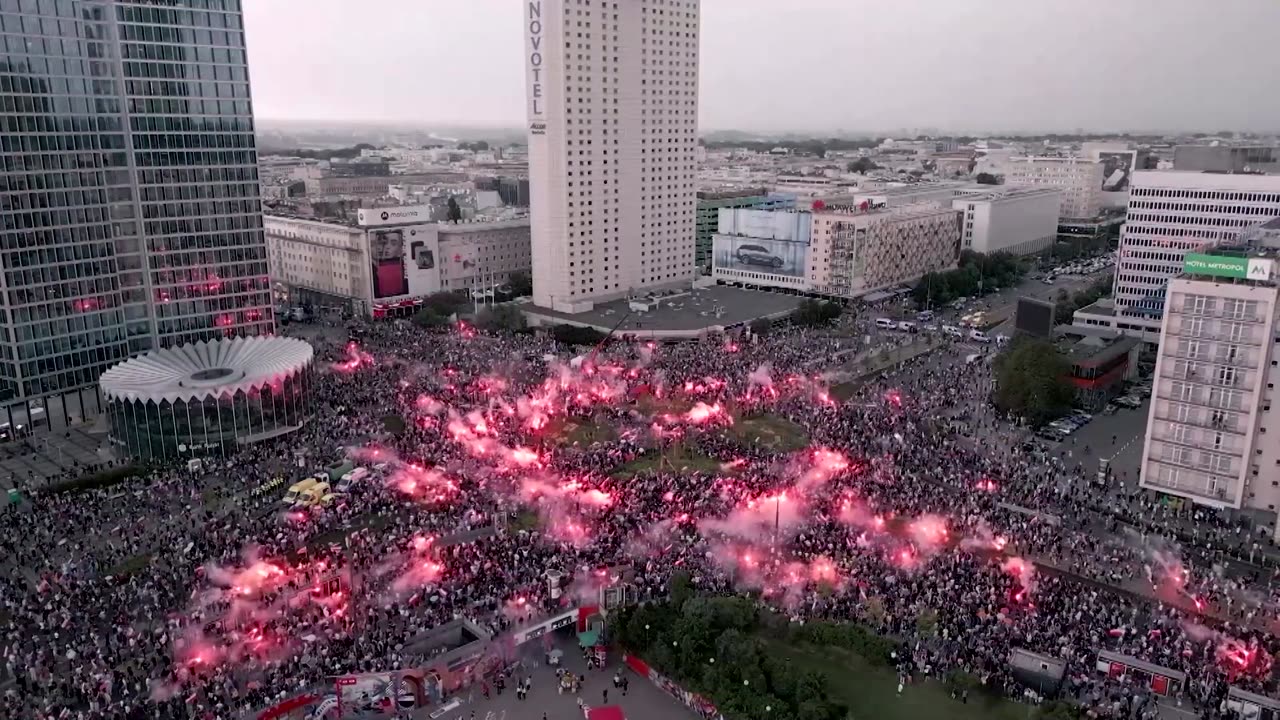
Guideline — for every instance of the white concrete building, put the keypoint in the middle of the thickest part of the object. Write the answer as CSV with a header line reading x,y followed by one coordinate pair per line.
x,y
1079,179
939,192
855,252
1170,213
1213,436
612,105
384,265
1018,220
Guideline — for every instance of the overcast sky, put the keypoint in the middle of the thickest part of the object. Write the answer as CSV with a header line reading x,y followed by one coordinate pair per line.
x,y
804,64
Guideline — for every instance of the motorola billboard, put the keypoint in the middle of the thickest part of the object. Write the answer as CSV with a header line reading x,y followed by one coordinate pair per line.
x,y
373,217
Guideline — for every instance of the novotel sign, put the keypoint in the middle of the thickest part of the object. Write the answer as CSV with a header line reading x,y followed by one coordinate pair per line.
x,y
536,59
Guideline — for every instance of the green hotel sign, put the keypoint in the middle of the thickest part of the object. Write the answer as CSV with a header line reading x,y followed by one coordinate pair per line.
x,y
1228,267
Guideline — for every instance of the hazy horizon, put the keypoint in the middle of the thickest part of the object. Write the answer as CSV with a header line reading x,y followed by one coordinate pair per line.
x,y
805,66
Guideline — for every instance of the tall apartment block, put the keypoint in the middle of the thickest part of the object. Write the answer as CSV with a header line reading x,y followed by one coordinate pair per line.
x,y
613,126
129,203
1213,436
1079,179
1173,212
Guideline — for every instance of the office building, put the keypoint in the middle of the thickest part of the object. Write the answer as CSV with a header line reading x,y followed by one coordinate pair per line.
x,y
1012,219
612,107
1171,213
381,267
130,216
710,202
855,252
1213,436
1079,179
1227,158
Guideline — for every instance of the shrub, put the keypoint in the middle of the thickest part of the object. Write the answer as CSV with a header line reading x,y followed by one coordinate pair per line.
x,y
98,480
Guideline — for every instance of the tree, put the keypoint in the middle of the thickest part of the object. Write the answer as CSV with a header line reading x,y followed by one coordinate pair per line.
x,y
429,318
574,335
1031,381
761,326
521,284
445,303
455,212
862,166
986,179
816,312
501,317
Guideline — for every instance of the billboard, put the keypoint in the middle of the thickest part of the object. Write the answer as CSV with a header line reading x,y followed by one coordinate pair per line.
x,y
461,259
775,257
1034,317
404,261
769,224
375,217
1228,267
1117,169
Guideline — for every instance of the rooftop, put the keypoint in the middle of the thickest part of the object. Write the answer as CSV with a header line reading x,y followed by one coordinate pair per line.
x,y
681,315
1093,346
728,193
1009,192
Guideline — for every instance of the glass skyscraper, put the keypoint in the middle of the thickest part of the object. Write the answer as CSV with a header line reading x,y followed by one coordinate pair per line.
x,y
129,205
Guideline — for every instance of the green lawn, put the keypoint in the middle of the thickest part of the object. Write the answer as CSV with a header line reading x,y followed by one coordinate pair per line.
x,y
680,458
581,432
776,433
872,692
130,565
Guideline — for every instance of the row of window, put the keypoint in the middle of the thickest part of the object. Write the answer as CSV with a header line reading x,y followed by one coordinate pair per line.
x,y
1222,209
1204,195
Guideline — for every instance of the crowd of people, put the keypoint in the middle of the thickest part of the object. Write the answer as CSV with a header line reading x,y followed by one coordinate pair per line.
x,y
182,593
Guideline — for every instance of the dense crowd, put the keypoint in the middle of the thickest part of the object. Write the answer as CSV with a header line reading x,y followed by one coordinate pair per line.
x,y
182,594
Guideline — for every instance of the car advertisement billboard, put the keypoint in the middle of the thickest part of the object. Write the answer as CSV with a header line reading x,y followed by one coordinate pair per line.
x,y
776,257
1117,168
405,261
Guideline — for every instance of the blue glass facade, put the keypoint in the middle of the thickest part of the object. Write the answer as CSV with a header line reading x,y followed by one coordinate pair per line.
x,y
129,208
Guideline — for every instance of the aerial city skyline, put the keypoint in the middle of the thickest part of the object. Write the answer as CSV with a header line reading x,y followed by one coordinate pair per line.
x,y
638,360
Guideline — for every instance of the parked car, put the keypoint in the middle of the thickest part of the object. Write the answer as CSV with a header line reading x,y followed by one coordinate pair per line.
x,y
757,255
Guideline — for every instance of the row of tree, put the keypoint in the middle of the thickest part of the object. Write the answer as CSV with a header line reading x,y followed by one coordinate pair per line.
x,y
712,646
734,654
976,275
1031,381
817,147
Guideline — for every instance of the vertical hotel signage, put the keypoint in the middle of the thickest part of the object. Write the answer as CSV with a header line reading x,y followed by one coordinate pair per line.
x,y
535,52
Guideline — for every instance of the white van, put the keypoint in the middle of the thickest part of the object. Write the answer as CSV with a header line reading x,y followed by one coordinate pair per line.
x,y
885,324
952,331
979,336
906,326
